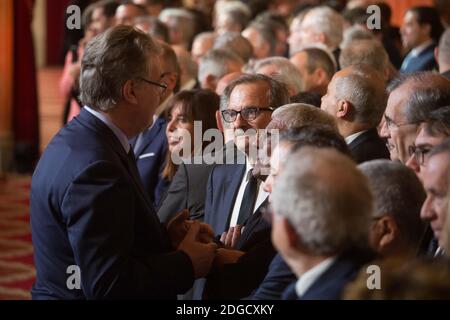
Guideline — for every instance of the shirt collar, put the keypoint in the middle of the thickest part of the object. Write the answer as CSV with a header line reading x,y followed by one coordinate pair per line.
x,y
307,279
418,50
117,132
352,137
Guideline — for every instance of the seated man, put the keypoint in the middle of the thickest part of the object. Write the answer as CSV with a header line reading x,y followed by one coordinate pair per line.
x,y
356,97
398,194
435,180
432,132
321,214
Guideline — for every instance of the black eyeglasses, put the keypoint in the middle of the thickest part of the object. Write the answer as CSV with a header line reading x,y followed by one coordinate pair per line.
x,y
161,85
249,113
419,153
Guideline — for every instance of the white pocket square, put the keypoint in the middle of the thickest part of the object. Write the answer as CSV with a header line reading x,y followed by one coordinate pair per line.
x,y
146,155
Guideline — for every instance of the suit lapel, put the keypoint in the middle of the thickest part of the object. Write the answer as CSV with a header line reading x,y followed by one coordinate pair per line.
x,y
233,178
150,135
90,121
362,138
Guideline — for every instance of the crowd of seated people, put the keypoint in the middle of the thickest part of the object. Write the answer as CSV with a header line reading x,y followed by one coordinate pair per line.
x,y
323,150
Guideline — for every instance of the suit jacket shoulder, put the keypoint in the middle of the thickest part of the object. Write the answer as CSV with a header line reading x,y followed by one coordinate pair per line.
x,y
369,146
88,209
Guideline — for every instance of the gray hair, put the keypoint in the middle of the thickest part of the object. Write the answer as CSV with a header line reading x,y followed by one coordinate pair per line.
x,y
183,22
364,88
300,114
235,42
110,59
236,12
428,92
369,52
427,97
277,93
216,62
329,22
326,199
286,73
319,57
267,34
354,33
397,192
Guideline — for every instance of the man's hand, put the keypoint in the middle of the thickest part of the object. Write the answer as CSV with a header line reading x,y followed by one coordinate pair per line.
x,y
179,226
201,254
226,256
231,237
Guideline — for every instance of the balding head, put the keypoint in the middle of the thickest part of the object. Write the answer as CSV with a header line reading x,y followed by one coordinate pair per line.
x,y
356,96
299,114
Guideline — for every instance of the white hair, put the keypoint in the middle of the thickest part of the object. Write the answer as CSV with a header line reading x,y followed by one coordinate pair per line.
x,y
286,73
326,20
326,199
216,63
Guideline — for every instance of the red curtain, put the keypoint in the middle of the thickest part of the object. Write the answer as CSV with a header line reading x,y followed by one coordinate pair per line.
x,y
56,12
25,109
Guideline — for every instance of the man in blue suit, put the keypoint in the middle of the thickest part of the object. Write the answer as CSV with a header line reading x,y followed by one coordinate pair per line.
x,y
326,241
233,193
420,33
95,232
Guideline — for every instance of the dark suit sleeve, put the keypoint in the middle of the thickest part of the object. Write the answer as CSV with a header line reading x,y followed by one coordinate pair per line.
x,y
100,211
176,196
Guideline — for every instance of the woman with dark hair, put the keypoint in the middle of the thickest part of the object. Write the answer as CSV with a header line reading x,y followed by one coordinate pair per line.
x,y
182,111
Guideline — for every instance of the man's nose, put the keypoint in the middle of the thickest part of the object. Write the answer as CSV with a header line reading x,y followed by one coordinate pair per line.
x,y
427,213
384,132
240,123
413,164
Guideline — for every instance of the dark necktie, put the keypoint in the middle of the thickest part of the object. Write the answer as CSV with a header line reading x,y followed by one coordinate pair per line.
x,y
249,198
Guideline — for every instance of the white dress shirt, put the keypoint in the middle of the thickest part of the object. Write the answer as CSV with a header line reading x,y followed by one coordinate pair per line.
x,y
262,195
117,132
307,279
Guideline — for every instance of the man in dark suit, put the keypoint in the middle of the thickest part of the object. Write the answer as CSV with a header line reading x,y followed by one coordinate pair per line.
x,y
356,97
150,146
233,193
327,241
255,243
420,33
95,232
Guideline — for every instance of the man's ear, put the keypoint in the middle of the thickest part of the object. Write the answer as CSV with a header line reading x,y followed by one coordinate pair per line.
x,y
211,82
128,92
344,108
219,121
321,77
171,80
291,234
390,231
